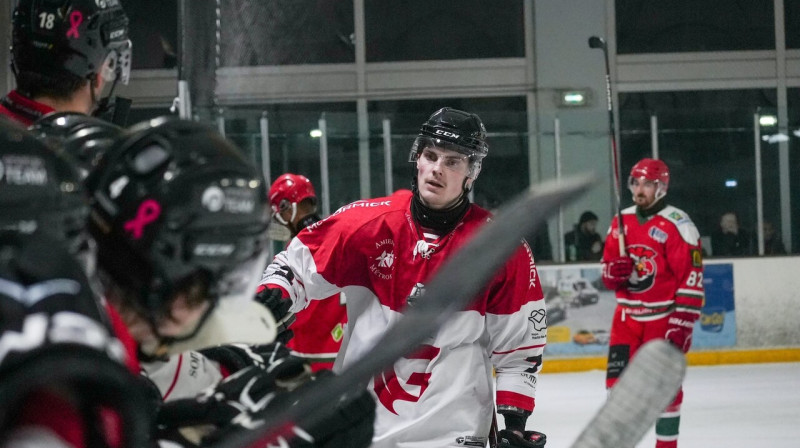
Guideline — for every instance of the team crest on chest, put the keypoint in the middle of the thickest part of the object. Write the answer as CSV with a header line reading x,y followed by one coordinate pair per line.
x,y
644,267
382,265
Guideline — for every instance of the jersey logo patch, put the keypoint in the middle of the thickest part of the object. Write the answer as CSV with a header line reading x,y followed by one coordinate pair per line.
x,y
539,320
697,258
677,216
644,268
387,385
658,235
383,263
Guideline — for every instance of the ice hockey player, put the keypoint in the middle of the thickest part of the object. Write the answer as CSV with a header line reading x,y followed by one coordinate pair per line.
x,y
180,221
64,53
381,252
658,282
317,331
80,138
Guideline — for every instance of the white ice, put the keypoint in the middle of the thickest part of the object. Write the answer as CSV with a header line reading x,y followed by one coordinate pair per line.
x,y
745,405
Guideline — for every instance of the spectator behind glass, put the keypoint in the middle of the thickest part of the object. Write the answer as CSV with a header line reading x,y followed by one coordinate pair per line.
x,y
583,243
730,239
772,240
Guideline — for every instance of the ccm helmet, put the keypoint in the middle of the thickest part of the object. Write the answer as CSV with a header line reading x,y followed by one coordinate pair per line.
x,y
454,130
80,138
40,190
653,170
56,337
288,190
174,201
74,36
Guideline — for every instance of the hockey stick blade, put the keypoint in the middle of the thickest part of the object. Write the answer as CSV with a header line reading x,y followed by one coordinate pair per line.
x,y
647,385
453,287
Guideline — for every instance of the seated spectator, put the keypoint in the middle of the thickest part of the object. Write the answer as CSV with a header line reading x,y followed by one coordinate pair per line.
x,y
772,240
583,243
730,239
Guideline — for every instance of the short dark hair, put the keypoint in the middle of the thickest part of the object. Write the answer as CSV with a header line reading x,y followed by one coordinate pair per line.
x,y
62,86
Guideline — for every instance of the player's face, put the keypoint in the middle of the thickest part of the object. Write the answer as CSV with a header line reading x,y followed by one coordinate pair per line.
x,y
440,176
182,320
643,191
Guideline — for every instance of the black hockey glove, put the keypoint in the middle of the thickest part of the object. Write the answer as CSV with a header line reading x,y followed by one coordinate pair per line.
x,y
238,396
272,299
349,424
529,439
235,357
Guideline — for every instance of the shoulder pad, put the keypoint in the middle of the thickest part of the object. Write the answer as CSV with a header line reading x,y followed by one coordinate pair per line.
x,y
683,223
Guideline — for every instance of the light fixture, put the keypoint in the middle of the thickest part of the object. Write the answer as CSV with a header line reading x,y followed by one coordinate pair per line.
x,y
731,183
574,98
315,133
767,120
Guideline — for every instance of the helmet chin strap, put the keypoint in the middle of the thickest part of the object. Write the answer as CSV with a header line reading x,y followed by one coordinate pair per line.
x,y
103,105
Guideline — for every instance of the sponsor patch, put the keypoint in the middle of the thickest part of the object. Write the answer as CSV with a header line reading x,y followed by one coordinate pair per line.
x,y
618,357
677,216
471,441
697,258
539,320
657,234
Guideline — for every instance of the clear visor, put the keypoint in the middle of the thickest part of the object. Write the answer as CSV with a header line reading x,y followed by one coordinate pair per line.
x,y
117,65
435,152
240,283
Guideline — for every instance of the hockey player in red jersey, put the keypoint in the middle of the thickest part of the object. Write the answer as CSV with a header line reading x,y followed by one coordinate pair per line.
x,y
381,253
658,281
317,331
64,53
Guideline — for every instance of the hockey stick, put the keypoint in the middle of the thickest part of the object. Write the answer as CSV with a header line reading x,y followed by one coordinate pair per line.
x,y
455,285
647,385
596,42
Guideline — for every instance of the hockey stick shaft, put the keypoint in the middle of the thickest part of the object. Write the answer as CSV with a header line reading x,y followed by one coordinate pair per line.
x,y
647,385
597,42
454,286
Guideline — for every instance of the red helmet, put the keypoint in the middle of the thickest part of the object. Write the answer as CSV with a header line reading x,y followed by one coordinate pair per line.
x,y
287,191
653,170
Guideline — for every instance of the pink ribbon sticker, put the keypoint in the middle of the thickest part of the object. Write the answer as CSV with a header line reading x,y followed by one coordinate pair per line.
x,y
75,20
148,212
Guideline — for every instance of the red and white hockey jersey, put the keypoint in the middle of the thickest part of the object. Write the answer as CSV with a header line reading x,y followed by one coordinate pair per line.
x,y
668,263
441,395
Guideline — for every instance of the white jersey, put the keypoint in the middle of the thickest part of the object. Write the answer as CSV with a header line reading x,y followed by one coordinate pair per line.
x,y
442,394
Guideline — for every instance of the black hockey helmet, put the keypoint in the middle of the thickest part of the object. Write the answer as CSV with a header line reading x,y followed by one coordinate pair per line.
x,y
40,190
172,201
455,130
73,36
57,341
82,139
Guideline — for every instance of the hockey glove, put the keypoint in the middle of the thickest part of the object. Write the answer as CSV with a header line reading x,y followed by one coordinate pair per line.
x,y
679,329
617,272
235,357
349,424
529,439
272,299
246,392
